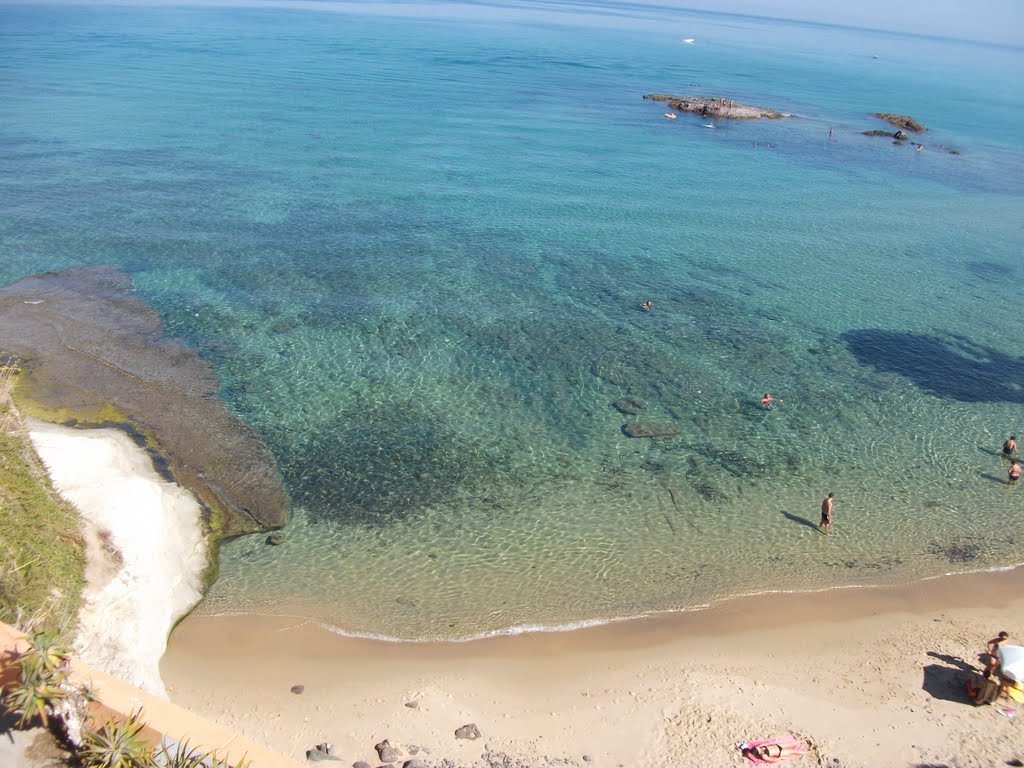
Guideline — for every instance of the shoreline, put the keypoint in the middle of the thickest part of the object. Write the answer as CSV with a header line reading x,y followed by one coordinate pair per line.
x,y
874,663
146,549
587,624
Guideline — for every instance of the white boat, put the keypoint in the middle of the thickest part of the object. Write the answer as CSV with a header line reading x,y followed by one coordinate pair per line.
x,y
688,40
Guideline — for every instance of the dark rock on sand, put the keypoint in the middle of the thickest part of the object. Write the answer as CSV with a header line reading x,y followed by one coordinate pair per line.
x,y
648,429
92,354
297,689
903,122
276,538
708,106
630,406
316,756
469,731
414,764
361,764
386,752
412,704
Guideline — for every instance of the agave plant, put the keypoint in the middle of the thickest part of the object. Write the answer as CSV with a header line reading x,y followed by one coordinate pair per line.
x,y
34,698
183,755
45,655
42,671
117,745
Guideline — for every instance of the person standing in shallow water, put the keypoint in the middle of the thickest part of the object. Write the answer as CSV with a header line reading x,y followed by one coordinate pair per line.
x,y
1014,471
1010,446
767,400
826,513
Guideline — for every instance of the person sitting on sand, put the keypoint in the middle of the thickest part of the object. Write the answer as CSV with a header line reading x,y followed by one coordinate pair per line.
x,y
1014,471
1010,446
992,647
767,400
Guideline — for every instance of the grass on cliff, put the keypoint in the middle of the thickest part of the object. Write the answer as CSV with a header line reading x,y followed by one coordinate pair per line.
x,y
42,557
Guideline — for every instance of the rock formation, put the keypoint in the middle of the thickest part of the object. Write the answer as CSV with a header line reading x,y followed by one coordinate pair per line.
x,y
707,106
92,354
903,122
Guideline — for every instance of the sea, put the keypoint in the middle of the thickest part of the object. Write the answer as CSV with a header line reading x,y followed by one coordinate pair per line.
x,y
413,240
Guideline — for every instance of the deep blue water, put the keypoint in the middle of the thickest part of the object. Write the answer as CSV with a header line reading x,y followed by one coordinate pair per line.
x,y
414,250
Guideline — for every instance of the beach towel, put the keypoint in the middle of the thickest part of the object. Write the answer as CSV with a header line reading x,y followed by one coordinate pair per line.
x,y
791,743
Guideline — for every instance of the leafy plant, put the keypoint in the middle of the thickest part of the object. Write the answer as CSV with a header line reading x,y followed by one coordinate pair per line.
x,y
183,755
117,745
34,697
42,671
44,656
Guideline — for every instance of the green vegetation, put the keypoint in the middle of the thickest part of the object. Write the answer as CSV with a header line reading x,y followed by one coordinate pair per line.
x,y
42,559
117,745
44,693
42,675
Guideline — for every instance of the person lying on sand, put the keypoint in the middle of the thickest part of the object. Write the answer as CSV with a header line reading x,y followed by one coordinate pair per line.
x,y
771,750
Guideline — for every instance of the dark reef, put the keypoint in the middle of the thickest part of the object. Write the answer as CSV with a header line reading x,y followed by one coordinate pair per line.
x,y
91,353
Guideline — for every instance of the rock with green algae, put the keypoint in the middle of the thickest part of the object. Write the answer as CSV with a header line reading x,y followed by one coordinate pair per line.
x,y
90,353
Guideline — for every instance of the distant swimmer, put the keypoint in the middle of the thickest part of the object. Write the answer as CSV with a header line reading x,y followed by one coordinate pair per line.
x,y
647,305
826,513
1010,446
920,147
1014,471
767,400
670,115
830,133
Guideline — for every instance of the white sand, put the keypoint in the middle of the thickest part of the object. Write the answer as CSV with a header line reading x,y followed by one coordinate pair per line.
x,y
868,678
145,544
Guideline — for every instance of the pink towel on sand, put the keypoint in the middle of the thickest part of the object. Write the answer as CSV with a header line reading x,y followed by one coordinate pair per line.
x,y
786,742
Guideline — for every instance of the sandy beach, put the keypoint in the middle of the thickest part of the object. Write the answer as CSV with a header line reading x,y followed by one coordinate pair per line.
x,y
866,677
863,676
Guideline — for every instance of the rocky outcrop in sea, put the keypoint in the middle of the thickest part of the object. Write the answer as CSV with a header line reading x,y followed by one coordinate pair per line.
x,y
715,106
902,122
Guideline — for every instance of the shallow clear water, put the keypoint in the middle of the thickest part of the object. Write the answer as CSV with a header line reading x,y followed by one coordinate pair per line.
x,y
414,250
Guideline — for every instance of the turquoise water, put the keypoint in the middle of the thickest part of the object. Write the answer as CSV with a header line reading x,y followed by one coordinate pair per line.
x,y
414,249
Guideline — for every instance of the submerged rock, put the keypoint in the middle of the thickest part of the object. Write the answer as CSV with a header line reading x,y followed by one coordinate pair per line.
x,y
92,354
630,406
648,429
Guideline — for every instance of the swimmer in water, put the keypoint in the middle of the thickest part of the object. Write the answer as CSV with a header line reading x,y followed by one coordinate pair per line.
x,y
767,400
647,305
